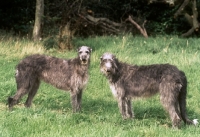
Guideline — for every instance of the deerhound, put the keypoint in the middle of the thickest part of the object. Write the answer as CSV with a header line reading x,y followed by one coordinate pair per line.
x,y
64,74
127,81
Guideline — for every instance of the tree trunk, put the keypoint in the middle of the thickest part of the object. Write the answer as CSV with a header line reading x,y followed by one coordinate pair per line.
x,y
65,37
39,12
195,15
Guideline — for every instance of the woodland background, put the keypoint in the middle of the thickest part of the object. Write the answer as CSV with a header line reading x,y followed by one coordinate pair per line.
x,y
138,32
62,20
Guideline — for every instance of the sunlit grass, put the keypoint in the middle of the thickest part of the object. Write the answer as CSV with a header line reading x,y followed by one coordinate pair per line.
x,y
51,114
12,48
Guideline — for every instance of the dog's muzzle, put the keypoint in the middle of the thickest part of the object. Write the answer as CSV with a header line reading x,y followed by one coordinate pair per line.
x,y
107,70
84,60
107,67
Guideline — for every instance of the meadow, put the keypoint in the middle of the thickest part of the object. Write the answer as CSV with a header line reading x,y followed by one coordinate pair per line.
x,y
51,113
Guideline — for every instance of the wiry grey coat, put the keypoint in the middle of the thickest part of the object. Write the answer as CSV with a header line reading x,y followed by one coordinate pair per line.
x,y
71,74
128,81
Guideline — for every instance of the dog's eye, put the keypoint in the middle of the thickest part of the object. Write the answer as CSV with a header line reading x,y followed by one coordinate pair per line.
x,y
80,52
107,60
87,52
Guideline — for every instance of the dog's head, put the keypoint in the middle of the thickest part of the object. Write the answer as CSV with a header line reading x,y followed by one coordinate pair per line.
x,y
84,54
108,64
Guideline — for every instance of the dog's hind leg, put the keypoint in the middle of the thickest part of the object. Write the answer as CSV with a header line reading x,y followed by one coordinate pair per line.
x,y
23,87
174,115
169,100
32,93
14,100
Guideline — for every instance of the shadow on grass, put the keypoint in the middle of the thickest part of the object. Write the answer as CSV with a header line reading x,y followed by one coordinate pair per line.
x,y
100,110
103,107
88,106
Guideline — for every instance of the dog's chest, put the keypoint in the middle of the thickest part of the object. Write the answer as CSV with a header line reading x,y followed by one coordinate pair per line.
x,y
114,90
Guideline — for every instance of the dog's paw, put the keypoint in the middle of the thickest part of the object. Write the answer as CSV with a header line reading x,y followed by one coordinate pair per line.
x,y
195,121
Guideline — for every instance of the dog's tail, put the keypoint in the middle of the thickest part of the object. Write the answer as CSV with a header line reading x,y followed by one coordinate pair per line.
x,y
182,104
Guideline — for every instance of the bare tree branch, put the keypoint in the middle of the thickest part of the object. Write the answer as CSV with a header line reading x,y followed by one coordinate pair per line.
x,y
141,29
188,33
104,23
181,8
96,20
170,2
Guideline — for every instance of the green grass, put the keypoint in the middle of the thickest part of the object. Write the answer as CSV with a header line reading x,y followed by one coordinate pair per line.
x,y
51,114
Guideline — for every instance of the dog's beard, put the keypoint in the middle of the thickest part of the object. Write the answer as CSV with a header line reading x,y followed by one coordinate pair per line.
x,y
106,72
84,61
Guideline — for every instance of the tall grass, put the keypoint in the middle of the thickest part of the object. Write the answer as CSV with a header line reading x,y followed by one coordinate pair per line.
x,y
51,113
11,48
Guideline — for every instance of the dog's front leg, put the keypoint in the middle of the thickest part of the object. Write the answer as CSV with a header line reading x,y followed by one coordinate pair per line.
x,y
76,100
122,107
128,107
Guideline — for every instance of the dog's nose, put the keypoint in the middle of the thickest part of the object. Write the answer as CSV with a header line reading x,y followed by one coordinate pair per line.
x,y
83,59
108,70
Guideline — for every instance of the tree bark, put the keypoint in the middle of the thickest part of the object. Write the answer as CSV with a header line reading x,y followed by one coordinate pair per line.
x,y
39,13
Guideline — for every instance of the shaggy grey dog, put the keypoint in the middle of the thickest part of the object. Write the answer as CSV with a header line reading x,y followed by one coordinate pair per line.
x,y
127,81
64,74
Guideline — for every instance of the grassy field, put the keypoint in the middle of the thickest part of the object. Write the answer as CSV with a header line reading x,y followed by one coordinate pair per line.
x,y
51,114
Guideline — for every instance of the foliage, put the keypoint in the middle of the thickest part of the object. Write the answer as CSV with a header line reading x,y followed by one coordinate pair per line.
x,y
18,15
51,113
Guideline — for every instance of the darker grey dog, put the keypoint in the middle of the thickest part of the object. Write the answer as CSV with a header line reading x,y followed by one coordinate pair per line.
x,y
127,81
64,74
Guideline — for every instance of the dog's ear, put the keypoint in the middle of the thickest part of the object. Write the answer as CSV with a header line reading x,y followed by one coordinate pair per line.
x,y
90,49
78,49
113,57
101,58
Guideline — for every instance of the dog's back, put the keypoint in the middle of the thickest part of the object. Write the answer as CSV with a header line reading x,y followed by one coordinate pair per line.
x,y
145,80
58,72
